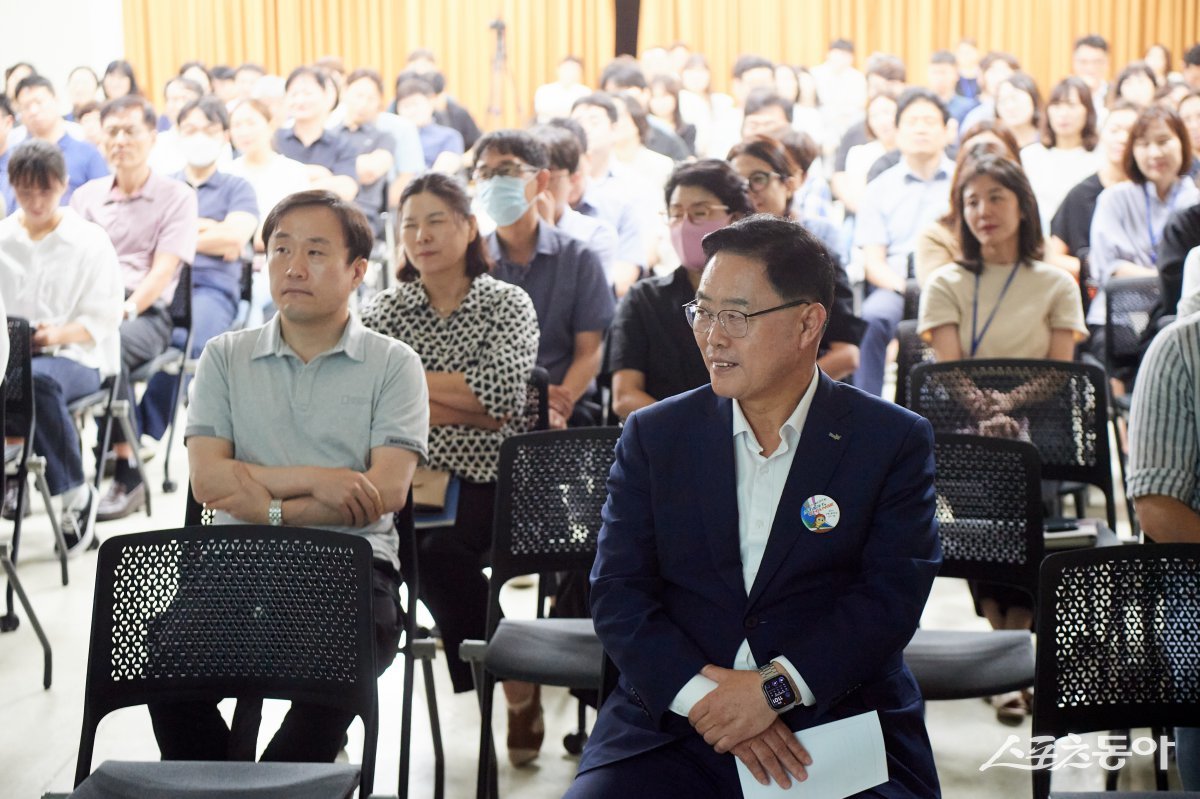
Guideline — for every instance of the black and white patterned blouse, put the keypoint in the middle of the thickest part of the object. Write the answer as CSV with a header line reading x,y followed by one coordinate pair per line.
x,y
492,338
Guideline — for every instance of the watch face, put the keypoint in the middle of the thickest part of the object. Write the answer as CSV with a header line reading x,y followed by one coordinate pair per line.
x,y
778,692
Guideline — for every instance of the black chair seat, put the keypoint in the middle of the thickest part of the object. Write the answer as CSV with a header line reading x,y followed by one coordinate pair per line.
x,y
960,664
205,780
562,652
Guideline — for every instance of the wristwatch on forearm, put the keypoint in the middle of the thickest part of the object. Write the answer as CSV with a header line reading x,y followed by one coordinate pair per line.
x,y
777,689
275,512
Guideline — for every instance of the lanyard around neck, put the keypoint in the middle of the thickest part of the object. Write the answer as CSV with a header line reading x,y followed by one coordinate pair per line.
x,y
1154,240
975,339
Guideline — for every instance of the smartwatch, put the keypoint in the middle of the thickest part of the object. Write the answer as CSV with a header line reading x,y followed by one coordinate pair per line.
x,y
777,688
275,512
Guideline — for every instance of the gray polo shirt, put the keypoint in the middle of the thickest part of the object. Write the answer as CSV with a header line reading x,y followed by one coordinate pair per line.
x,y
367,391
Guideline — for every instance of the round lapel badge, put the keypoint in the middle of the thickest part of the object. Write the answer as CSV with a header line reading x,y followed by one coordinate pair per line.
x,y
820,513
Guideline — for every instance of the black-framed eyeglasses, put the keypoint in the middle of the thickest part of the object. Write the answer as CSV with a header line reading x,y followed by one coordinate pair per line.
x,y
734,323
760,180
509,169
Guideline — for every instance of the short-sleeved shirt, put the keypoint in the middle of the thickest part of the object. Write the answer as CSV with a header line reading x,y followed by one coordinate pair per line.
x,y
898,207
569,293
612,200
278,178
1129,220
596,233
331,150
370,200
1054,171
68,275
409,157
84,163
1072,222
1164,428
1040,299
492,338
437,139
368,391
218,197
161,216
650,334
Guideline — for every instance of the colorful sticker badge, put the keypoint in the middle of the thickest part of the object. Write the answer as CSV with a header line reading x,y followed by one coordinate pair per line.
x,y
820,513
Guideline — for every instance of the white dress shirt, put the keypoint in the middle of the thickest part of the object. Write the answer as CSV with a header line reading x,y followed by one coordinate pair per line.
x,y
760,482
69,275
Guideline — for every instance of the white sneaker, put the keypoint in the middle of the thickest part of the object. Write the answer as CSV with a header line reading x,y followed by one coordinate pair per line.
x,y
79,521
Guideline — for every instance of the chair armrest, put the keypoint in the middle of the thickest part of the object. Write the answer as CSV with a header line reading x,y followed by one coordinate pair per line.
x,y
472,651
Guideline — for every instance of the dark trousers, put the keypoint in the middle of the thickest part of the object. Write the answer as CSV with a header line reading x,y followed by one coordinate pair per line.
x,y
309,733
213,311
686,767
142,339
56,383
452,583
882,310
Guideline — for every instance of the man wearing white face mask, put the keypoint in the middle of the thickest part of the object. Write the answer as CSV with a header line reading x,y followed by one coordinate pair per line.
x,y
228,217
562,276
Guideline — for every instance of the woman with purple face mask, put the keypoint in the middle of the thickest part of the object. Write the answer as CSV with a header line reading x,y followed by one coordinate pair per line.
x,y
651,350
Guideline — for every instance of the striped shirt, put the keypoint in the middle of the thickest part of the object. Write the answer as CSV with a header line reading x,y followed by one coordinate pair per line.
x,y
1164,437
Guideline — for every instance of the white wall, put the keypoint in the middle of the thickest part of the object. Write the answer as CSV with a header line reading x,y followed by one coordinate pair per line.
x,y
58,35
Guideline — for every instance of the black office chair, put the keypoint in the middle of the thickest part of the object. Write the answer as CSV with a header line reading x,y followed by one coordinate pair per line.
x,y
14,582
20,460
551,487
1117,645
1129,305
989,513
174,362
1062,409
252,612
913,350
417,646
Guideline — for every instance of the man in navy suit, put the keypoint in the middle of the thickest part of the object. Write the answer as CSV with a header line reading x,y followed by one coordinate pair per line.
x,y
768,546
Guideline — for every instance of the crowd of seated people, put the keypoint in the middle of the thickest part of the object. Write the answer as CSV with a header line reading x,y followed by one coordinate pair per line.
x,y
574,243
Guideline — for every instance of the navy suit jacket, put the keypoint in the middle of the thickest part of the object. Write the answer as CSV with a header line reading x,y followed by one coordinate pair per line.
x,y
668,594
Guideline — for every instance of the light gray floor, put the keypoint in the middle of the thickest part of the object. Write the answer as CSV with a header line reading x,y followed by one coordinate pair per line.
x,y
39,730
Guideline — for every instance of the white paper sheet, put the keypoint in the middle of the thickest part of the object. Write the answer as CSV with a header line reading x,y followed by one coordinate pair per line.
x,y
848,757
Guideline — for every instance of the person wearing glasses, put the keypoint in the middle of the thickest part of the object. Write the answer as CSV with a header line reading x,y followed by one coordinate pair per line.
x,y
733,612
651,351
561,274
773,178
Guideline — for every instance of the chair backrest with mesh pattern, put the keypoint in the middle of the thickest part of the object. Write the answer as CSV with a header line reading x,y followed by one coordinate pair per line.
x,y
537,401
989,509
1129,303
1058,406
549,493
913,350
232,611
1117,643
181,301
18,390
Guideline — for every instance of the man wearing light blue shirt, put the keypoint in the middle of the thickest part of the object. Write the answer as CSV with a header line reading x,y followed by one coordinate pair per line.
x,y
896,207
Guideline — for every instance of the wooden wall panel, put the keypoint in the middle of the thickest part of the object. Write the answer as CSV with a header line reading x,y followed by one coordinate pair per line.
x,y
282,34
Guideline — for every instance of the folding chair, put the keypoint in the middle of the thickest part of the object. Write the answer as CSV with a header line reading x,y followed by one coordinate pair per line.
x,y
989,513
254,612
551,487
14,582
175,362
1061,408
1117,646
417,646
1129,305
20,461
913,350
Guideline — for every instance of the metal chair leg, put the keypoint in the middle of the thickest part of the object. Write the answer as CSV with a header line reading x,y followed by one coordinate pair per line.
x,y
39,479
435,726
14,582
